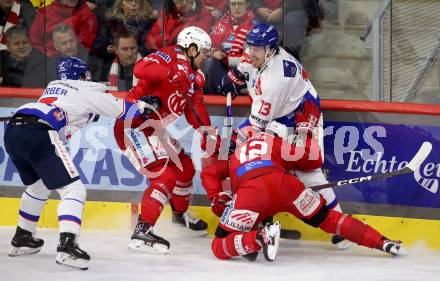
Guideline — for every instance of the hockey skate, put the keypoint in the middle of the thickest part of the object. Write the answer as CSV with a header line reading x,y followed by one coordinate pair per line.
x,y
70,254
341,242
143,239
25,243
190,222
392,247
269,238
251,256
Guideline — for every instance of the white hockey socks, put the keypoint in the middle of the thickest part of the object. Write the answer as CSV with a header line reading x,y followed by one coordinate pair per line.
x,y
330,198
70,209
32,202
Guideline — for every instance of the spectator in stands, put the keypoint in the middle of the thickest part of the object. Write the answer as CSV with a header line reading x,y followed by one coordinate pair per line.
x,y
119,74
216,7
270,11
75,13
14,59
136,16
66,44
228,39
177,15
100,7
14,12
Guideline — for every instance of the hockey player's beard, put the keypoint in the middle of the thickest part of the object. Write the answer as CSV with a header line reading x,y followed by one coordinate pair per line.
x,y
267,58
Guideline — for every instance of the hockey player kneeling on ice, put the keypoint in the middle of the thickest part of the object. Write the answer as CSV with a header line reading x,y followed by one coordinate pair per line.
x,y
262,187
33,142
173,74
278,86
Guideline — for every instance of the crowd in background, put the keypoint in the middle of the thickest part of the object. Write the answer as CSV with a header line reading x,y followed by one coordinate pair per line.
x,y
111,35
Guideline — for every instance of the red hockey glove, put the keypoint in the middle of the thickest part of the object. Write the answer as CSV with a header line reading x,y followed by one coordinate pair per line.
x,y
211,141
180,80
308,117
199,80
219,203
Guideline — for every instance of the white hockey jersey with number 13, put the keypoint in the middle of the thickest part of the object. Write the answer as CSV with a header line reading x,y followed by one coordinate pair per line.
x,y
277,89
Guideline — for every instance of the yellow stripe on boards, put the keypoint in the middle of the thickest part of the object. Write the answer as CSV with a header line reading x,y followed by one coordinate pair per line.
x,y
118,216
408,230
97,215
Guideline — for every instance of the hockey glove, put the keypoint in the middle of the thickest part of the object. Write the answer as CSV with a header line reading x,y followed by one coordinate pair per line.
x,y
232,82
308,117
219,203
153,103
211,141
181,81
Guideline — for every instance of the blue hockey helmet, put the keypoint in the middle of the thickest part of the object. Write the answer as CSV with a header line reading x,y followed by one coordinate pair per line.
x,y
262,35
72,68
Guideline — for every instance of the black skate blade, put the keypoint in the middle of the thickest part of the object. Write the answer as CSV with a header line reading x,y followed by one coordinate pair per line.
x,y
251,256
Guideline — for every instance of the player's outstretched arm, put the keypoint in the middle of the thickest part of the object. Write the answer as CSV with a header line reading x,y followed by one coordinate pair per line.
x,y
212,175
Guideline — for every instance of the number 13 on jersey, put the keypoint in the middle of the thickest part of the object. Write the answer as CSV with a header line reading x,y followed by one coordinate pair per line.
x,y
265,108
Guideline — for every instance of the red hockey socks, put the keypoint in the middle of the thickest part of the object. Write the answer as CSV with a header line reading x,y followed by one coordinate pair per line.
x,y
351,229
235,244
153,200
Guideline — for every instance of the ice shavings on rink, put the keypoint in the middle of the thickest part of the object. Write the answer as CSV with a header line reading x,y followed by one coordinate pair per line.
x,y
190,259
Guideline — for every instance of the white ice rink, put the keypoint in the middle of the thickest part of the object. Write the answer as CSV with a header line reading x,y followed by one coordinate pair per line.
x,y
190,259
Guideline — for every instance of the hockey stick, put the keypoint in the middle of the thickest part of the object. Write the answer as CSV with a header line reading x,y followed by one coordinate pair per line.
x,y
228,120
4,119
194,111
412,166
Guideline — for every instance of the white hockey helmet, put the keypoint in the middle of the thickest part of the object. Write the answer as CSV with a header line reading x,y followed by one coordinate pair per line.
x,y
280,130
194,35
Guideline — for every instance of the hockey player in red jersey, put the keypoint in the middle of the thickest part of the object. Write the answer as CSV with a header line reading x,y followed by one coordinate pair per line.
x,y
262,187
172,74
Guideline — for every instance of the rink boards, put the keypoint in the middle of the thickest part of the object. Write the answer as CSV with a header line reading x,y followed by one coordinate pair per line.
x,y
356,144
120,216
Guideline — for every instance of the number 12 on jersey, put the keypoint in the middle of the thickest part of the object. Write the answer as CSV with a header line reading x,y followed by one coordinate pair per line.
x,y
253,150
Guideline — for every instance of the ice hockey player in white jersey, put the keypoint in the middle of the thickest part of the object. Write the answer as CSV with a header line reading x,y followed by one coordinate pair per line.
x,y
33,142
278,85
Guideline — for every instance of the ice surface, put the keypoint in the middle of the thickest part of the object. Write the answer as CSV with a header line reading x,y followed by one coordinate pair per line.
x,y
190,259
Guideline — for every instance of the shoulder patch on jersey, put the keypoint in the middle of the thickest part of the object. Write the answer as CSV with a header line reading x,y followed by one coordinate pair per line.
x,y
164,56
290,68
181,57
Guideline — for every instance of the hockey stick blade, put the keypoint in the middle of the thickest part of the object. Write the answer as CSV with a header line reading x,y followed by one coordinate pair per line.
x,y
420,156
290,234
412,166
